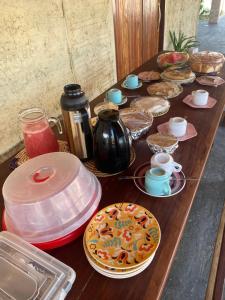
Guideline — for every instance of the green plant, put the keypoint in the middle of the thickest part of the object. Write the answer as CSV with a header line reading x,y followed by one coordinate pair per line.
x,y
181,42
202,10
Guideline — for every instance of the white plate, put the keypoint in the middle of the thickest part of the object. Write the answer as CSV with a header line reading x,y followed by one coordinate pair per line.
x,y
171,96
125,275
124,100
126,87
115,271
182,81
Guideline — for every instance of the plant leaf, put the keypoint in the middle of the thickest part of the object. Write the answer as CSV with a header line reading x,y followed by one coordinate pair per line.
x,y
181,42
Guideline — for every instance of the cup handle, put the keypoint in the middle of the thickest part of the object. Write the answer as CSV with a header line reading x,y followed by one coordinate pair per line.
x,y
56,122
167,189
176,167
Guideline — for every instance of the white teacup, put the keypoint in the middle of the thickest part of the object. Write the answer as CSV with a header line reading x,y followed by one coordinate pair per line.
x,y
165,162
200,97
177,126
193,50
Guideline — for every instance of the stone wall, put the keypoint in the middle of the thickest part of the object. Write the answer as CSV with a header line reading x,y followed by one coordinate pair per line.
x,y
180,15
44,45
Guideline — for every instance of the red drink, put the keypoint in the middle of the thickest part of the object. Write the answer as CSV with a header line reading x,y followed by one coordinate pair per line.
x,y
40,140
38,136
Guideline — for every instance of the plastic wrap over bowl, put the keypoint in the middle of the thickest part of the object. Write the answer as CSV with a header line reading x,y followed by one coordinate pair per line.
x,y
138,122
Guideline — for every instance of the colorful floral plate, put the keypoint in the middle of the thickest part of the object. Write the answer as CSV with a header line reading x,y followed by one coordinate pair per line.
x,y
111,271
120,275
177,181
122,235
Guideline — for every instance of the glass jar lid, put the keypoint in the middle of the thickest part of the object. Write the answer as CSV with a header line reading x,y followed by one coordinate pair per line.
x,y
207,57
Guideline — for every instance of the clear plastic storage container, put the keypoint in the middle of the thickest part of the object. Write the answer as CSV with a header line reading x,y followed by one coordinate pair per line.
x,y
29,273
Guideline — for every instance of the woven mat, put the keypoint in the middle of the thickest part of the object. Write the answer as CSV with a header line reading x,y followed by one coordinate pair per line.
x,y
90,165
22,156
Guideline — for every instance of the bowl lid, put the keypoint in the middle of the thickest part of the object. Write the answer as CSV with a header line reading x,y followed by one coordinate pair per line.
x,y
207,57
41,177
134,119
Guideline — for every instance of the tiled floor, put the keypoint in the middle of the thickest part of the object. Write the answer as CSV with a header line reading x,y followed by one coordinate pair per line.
x,y
188,278
212,36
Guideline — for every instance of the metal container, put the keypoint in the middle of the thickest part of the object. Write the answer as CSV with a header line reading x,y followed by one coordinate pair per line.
x,y
76,117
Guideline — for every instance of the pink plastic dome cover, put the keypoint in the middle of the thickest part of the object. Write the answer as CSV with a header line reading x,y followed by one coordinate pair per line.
x,y
49,196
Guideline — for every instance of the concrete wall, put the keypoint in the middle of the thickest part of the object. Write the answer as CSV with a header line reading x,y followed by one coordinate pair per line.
x,y
43,46
180,15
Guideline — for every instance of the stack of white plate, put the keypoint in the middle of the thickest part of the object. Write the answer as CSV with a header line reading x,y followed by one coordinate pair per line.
x,y
121,240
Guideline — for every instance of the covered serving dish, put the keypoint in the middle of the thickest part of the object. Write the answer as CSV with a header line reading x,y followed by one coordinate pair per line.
x,y
49,197
172,58
138,122
162,143
206,62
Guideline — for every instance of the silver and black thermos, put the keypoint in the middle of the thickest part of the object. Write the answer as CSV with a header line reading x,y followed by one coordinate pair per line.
x,y
76,116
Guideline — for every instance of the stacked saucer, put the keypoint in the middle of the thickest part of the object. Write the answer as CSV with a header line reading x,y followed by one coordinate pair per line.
x,y
121,240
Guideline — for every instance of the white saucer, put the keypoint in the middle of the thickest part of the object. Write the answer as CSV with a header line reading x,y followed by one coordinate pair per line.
x,y
124,100
126,87
121,275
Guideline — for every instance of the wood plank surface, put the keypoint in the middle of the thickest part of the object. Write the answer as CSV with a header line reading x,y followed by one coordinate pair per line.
x,y
136,26
217,273
171,213
151,26
128,35
219,289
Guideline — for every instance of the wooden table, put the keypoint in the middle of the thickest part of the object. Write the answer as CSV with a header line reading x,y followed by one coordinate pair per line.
x,y
172,213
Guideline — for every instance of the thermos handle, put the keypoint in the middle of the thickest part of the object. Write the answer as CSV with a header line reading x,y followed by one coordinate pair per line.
x,y
56,122
86,127
85,120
